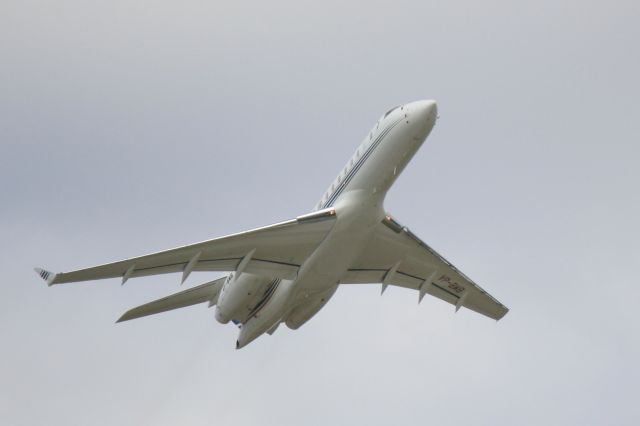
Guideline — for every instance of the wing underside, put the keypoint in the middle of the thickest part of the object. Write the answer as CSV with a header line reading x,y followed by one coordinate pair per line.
x,y
398,257
275,251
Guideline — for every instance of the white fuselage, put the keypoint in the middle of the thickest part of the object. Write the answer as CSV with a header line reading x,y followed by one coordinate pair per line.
x,y
357,195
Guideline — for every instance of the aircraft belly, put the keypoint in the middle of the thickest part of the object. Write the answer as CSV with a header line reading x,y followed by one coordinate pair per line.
x,y
308,307
356,219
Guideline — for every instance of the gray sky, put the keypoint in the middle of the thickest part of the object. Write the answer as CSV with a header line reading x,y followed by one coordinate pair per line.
x,y
133,126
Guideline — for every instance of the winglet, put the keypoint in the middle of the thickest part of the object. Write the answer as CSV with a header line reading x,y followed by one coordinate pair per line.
x,y
48,276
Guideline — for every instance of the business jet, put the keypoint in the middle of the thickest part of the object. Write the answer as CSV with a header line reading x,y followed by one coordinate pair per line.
x,y
286,272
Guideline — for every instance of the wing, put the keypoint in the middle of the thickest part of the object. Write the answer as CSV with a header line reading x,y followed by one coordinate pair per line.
x,y
397,257
276,251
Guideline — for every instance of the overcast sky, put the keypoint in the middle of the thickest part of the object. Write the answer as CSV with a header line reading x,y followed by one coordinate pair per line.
x,y
128,127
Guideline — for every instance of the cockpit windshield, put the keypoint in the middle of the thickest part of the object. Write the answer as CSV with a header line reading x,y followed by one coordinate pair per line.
x,y
391,110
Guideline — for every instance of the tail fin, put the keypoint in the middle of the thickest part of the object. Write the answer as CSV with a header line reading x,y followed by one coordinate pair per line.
x,y
207,292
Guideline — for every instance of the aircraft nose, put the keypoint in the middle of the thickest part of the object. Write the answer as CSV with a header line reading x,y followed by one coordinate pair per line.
x,y
425,117
427,110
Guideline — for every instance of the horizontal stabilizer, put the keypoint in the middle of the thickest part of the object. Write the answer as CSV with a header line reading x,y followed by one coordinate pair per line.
x,y
207,292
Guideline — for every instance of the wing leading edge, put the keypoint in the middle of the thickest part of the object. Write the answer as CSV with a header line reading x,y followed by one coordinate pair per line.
x,y
276,250
398,257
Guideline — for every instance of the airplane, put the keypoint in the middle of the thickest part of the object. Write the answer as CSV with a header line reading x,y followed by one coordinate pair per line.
x,y
288,271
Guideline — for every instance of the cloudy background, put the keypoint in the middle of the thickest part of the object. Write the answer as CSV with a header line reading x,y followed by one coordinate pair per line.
x,y
133,126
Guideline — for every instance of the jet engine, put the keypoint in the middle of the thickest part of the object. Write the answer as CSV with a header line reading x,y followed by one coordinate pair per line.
x,y
305,311
238,296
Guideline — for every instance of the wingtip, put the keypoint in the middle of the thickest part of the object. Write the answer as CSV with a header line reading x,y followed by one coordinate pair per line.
x,y
129,315
122,318
47,276
506,311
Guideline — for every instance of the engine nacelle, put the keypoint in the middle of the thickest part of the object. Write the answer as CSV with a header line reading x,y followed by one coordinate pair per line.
x,y
275,306
237,295
305,311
